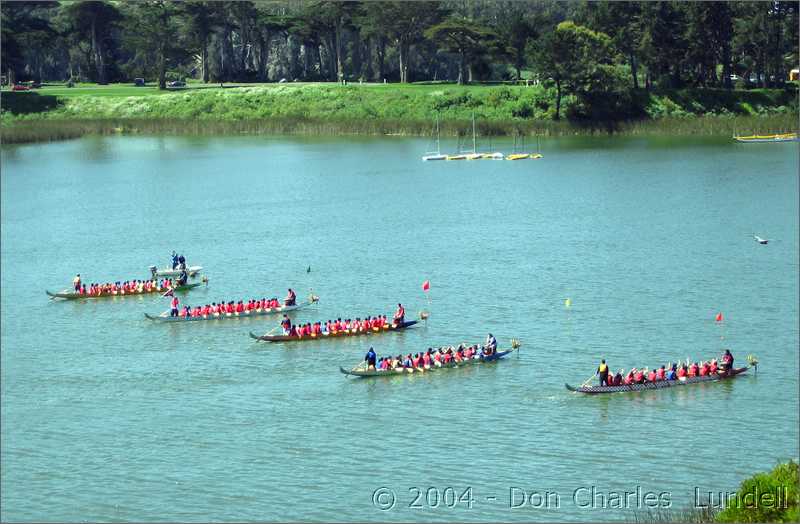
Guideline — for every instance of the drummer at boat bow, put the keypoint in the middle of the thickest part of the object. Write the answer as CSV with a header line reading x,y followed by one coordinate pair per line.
x,y
602,372
399,315
76,283
290,299
370,359
727,360
286,324
175,302
491,344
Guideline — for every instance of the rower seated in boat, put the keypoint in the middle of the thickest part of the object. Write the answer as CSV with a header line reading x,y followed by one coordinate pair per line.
x,y
399,315
370,359
290,299
183,278
672,374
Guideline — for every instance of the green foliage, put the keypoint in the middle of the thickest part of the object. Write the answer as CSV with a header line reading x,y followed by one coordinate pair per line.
x,y
767,497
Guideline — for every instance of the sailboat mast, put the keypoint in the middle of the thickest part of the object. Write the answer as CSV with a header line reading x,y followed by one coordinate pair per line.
x,y
474,148
438,148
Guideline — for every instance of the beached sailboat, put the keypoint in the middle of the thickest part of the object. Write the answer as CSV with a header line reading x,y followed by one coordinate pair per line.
x,y
783,137
523,156
438,154
474,154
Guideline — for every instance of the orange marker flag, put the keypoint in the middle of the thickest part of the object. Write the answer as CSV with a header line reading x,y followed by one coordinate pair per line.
x,y
718,318
426,285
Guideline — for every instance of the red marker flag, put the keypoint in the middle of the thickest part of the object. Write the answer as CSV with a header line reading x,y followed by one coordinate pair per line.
x,y
718,318
426,285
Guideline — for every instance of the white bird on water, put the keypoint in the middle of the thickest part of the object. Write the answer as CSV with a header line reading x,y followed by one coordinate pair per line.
x,y
762,241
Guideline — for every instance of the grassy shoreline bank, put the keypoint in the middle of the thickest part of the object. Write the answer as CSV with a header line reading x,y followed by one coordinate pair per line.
x,y
29,131
409,110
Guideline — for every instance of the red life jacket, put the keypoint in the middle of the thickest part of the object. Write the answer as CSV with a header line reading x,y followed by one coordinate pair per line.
x,y
660,374
638,376
651,376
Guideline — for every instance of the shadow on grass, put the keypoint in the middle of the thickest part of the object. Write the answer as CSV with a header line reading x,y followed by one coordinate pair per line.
x,y
26,102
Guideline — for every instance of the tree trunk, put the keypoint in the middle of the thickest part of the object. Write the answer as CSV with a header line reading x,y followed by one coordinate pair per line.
x,y
204,59
338,51
634,71
726,67
461,65
558,99
367,71
97,52
469,73
403,48
381,49
263,56
162,66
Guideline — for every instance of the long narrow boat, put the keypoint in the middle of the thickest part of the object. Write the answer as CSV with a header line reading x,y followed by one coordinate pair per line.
x,y
661,384
164,317
523,156
518,156
356,372
169,272
71,295
388,328
784,137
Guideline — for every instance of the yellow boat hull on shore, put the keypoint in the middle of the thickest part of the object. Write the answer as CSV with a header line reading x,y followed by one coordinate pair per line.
x,y
783,137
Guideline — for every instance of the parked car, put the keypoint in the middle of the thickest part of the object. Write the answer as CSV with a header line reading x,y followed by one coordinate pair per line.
x,y
176,83
20,87
138,82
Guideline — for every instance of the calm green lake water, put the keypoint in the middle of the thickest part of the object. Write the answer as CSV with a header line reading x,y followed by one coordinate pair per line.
x,y
107,416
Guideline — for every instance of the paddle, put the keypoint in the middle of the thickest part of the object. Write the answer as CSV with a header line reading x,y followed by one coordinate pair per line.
x,y
586,382
271,331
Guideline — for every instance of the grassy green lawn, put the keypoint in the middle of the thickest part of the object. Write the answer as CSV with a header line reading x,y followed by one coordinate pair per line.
x,y
125,90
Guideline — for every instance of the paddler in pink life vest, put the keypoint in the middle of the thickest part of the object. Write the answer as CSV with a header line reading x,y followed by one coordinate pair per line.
x,y
290,298
399,315
174,311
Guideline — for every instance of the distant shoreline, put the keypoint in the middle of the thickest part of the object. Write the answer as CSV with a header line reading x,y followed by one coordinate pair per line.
x,y
377,110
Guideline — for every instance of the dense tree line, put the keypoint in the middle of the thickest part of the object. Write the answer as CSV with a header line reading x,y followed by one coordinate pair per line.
x,y
577,46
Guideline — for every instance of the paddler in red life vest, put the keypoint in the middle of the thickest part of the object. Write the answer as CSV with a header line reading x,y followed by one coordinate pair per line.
x,y
76,283
290,298
399,315
174,311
